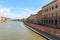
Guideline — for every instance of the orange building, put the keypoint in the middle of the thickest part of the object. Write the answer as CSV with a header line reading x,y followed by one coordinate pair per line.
x,y
3,19
39,17
33,19
51,13
36,18
48,16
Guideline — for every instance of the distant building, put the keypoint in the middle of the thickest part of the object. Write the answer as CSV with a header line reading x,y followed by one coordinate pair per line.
x,y
40,17
4,19
49,15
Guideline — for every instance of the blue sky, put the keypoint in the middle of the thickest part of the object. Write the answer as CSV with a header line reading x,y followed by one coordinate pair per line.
x,y
21,8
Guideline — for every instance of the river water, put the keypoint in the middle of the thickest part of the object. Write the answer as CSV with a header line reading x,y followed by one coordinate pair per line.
x,y
15,30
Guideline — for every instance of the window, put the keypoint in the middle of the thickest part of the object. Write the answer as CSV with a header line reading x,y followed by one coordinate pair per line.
x,y
55,22
49,21
52,21
47,9
56,6
52,7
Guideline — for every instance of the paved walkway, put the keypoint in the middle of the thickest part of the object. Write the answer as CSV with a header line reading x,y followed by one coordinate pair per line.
x,y
41,32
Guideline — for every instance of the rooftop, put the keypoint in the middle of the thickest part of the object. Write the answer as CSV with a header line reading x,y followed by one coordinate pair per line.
x,y
50,3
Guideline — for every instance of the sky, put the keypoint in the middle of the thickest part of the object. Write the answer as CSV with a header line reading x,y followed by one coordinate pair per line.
x,y
18,9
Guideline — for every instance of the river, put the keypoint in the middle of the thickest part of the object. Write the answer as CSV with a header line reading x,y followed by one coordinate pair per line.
x,y
15,30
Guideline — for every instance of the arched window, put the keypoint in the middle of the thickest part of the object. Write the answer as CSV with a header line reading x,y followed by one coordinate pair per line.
x,y
52,7
49,21
56,6
52,21
56,22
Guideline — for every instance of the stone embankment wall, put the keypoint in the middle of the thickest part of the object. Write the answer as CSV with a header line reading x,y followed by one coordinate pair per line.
x,y
49,30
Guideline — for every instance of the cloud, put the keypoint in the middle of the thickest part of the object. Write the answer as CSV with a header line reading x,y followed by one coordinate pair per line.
x,y
6,12
27,12
21,12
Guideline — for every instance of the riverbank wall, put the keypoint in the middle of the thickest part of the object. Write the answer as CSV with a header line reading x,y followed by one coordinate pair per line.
x,y
52,31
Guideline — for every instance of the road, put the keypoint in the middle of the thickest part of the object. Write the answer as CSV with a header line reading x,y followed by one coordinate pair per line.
x,y
17,31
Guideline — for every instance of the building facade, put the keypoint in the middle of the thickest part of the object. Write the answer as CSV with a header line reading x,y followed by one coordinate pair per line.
x,y
33,19
4,19
51,14
40,17
48,16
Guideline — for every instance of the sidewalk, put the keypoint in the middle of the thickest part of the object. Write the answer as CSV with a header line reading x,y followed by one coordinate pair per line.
x,y
37,28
